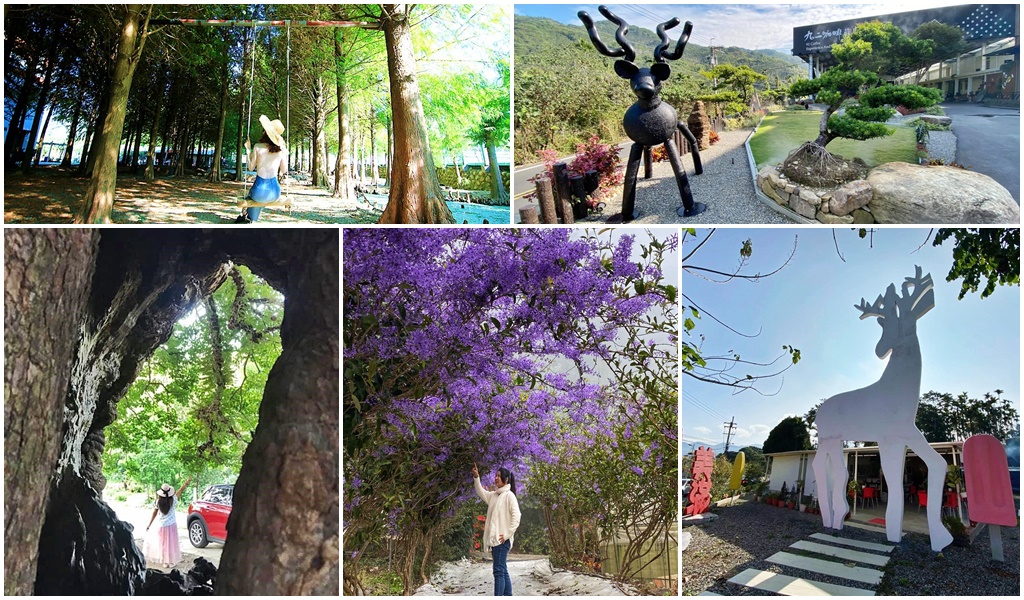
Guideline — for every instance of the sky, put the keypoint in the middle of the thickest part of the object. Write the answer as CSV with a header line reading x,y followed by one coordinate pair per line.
x,y
752,26
968,345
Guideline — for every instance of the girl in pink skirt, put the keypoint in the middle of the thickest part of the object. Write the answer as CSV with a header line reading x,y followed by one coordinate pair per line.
x,y
162,546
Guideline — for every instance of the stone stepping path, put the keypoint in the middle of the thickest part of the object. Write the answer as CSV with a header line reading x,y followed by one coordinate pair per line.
x,y
826,567
854,543
794,586
871,528
843,553
855,551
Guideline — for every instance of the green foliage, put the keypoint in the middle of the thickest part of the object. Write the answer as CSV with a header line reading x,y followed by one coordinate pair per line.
x,y
193,408
955,526
947,41
880,48
790,434
869,113
755,463
989,254
849,127
740,79
720,475
912,97
960,417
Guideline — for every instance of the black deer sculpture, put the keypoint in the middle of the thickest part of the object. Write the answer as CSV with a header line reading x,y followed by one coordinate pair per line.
x,y
649,121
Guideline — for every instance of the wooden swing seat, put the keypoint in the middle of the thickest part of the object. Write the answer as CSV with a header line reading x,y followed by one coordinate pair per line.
x,y
285,201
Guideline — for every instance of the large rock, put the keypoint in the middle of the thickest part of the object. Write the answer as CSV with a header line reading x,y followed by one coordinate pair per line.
x,y
937,120
905,193
850,197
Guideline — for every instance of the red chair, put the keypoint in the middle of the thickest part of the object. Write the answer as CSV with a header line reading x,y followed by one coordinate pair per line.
x,y
922,499
951,502
912,493
871,494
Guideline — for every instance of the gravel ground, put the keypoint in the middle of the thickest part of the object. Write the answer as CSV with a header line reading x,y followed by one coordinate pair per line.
x,y
917,571
725,186
748,533
529,578
942,145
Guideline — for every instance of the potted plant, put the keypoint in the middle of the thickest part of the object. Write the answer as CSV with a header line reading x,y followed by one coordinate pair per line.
x,y
798,495
961,536
759,490
783,494
853,489
805,503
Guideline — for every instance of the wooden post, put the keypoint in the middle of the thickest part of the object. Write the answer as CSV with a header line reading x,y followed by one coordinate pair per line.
x,y
546,200
579,194
561,189
528,215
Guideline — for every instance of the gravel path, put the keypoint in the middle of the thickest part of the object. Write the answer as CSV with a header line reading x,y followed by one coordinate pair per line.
x,y
942,145
533,577
748,533
725,186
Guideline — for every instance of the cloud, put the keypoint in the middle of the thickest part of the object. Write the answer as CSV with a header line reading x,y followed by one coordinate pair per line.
x,y
702,430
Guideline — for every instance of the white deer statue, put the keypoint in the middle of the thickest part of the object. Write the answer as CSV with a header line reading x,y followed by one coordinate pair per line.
x,y
884,412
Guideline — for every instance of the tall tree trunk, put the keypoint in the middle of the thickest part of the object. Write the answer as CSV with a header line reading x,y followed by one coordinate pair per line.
x,y
150,173
97,130
415,192
14,138
498,191
47,281
134,165
42,136
215,174
44,96
87,141
373,153
342,182
99,196
69,148
390,156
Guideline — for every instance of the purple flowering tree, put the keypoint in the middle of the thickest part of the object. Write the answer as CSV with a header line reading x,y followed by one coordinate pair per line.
x,y
475,345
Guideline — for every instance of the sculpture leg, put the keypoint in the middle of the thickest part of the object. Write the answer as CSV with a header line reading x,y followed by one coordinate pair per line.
x,y
820,466
892,457
940,537
629,190
689,207
838,478
648,160
698,168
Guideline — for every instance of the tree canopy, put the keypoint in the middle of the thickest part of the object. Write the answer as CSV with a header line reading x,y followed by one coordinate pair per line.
x,y
195,403
789,435
943,417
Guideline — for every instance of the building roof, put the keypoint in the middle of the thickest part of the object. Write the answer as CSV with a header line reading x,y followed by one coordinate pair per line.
x,y
866,449
979,22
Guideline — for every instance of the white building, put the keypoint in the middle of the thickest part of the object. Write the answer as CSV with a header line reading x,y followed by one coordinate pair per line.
x,y
976,72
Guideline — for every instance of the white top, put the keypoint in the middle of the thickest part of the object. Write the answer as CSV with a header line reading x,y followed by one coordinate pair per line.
x,y
502,514
268,164
163,520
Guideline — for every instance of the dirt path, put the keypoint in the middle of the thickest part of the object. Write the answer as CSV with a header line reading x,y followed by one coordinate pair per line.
x,y
52,196
531,576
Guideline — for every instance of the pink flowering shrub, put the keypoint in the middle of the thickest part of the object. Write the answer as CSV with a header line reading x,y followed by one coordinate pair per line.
x,y
591,155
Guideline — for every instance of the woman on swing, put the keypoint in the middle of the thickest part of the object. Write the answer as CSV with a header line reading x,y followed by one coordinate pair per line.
x,y
268,158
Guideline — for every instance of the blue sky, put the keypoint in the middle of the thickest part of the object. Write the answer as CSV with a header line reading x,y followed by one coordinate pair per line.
x,y
754,26
970,345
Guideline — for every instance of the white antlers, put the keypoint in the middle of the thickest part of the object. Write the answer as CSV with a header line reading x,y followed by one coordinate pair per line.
x,y
914,290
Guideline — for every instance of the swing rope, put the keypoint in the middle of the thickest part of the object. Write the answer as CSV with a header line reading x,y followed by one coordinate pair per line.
x,y
248,126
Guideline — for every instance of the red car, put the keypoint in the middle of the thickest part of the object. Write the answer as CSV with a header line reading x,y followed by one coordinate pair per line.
x,y
208,516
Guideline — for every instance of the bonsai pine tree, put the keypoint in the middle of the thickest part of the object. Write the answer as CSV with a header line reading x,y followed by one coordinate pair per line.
x,y
871,50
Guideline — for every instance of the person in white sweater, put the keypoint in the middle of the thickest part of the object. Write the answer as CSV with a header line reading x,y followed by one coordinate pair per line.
x,y
501,524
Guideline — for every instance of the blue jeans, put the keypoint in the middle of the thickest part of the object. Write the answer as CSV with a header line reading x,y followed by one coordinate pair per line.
x,y
263,190
502,582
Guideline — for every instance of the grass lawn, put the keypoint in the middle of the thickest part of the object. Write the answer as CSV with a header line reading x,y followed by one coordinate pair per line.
x,y
782,132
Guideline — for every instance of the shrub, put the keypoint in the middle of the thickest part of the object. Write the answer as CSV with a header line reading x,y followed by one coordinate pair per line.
x,y
935,110
592,155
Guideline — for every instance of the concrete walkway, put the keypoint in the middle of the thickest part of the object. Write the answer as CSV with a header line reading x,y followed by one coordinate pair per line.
x,y
988,141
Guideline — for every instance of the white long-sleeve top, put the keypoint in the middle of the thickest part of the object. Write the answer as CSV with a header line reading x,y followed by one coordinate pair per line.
x,y
502,514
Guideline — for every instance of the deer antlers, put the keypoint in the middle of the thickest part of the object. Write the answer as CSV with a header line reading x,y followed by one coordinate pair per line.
x,y
661,53
626,51
914,290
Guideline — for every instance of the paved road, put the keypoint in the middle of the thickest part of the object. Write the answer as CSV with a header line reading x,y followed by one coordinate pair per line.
x,y
988,141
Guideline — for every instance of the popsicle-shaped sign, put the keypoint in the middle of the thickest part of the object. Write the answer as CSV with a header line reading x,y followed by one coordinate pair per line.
x,y
988,487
